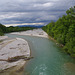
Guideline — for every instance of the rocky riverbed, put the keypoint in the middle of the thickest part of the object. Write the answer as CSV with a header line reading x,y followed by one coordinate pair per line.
x,y
35,32
13,48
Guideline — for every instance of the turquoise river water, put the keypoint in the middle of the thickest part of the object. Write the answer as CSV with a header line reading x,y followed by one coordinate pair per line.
x,y
48,58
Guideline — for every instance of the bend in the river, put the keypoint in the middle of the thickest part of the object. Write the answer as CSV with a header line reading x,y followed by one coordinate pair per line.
x,y
48,58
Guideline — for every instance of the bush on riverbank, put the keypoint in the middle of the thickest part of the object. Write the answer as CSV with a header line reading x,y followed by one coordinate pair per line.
x,y
63,30
2,29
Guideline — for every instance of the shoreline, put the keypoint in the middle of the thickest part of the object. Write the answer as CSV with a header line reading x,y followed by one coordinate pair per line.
x,y
3,37
6,44
57,43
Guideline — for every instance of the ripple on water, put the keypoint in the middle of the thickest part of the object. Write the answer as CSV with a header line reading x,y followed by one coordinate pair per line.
x,y
41,69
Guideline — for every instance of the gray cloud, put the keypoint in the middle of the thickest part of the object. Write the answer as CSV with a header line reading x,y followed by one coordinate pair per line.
x,y
32,11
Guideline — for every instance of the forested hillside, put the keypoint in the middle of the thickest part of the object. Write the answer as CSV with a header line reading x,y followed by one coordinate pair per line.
x,y
4,29
63,31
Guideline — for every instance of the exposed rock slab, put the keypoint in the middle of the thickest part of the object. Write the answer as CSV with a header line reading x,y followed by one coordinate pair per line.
x,y
13,48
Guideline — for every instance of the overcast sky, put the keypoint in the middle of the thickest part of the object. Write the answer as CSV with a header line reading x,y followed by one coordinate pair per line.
x,y
32,12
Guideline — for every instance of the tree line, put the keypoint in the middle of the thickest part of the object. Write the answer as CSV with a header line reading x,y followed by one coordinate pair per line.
x,y
63,31
4,29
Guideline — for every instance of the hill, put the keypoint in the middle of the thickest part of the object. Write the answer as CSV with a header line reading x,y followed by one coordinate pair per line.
x,y
38,26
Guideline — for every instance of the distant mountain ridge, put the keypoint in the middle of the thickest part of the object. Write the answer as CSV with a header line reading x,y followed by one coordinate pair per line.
x,y
39,26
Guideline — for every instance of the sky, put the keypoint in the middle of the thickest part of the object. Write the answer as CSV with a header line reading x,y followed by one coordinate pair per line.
x,y
32,12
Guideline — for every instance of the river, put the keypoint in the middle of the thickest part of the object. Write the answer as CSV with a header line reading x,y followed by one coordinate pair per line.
x,y
48,59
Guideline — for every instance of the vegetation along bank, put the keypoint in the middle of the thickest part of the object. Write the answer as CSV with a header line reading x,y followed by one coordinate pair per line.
x,y
63,31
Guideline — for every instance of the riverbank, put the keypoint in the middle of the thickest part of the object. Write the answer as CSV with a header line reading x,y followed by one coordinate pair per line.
x,y
58,44
18,47
3,37
14,48
34,32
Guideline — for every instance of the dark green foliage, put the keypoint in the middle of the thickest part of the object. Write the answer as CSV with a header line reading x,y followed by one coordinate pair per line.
x,y
49,27
4,29
63,30
17,29
1,29
1,33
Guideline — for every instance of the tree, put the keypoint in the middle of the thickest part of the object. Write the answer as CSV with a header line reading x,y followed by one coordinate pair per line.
x,y
63,30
